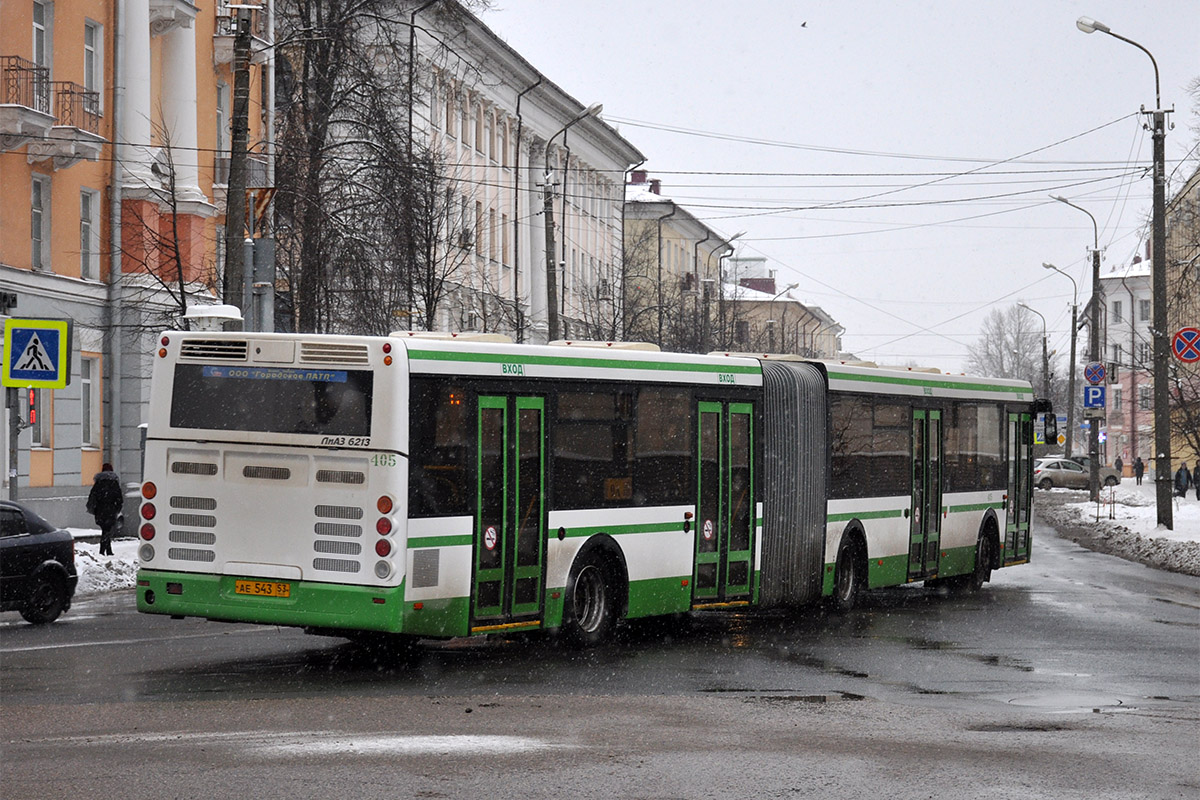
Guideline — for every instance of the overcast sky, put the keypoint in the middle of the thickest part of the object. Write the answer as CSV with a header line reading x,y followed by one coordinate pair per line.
x,y
812,125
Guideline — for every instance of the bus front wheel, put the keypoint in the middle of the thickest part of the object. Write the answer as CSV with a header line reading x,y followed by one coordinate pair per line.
x,y
589,608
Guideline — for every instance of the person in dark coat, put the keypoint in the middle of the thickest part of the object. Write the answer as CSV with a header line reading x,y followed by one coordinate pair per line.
x,y
1196,478
1119,466
104,503
1139,469
1183,480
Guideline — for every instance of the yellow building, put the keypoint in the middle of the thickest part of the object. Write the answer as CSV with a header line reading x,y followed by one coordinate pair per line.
x,y
116,237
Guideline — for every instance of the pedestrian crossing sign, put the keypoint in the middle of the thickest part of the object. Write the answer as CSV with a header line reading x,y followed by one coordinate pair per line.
x,y
37,353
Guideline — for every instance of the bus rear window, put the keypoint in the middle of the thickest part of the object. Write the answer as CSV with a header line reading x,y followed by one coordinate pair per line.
x,y
330,402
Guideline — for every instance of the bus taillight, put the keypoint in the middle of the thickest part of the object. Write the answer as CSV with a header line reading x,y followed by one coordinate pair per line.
x,y
148,511
149,490
384,504
383,526
383,547
147,531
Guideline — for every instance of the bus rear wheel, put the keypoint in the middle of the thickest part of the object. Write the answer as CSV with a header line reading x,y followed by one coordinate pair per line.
x,y
983,564
848,576
589,608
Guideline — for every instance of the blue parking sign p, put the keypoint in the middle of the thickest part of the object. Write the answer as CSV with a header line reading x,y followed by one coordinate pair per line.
x,y
1093,397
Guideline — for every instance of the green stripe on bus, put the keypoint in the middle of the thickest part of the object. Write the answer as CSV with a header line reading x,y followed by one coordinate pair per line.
x,y
895,512
975,507
616,530
935,384
567,361
440,541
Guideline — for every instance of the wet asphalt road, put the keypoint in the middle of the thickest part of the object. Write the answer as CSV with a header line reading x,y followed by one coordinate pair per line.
x,y
1075,676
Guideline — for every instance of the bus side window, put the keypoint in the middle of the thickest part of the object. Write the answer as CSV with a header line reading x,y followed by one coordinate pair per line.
x,y
439,433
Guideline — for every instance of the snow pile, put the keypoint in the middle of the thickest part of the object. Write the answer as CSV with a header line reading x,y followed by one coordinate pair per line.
x,y
1125,523
97,573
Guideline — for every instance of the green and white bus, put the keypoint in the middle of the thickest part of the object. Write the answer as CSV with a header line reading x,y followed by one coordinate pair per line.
x,y
456,486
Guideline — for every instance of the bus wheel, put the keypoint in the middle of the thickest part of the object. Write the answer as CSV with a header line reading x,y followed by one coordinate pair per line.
x,y
848,576
983,564
589,609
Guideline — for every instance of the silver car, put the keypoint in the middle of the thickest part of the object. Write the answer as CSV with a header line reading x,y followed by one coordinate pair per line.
x,y
1051,472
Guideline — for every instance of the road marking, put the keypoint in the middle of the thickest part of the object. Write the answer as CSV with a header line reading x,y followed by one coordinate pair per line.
x,y
112,642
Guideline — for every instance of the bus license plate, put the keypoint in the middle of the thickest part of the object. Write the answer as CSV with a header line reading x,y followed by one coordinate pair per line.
x,y
263,588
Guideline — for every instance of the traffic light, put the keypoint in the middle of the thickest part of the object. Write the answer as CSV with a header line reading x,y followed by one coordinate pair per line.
x,y
33,406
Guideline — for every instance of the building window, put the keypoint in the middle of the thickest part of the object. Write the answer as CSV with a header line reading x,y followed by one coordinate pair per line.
x,y
479,228
89,234
1116,354
1145,398
219,258
489,123
1116,400
39,222
504,258
89,401
493,239
1144,310
1116,312
93,62
504,154
1145,356
43,18
464,120
479,136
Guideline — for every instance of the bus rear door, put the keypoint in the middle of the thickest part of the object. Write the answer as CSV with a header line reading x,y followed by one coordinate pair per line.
x,y
509,527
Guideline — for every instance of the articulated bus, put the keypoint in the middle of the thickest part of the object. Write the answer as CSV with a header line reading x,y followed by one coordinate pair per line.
x,y
404,486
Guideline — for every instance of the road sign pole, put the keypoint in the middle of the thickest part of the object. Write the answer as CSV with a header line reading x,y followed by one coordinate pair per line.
x,y
12,399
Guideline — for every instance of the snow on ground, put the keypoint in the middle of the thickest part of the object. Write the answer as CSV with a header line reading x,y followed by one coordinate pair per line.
x,y
97,573
1131,532
1125,523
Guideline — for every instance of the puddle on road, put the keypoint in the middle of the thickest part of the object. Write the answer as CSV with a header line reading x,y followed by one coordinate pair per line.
x,y
1074,703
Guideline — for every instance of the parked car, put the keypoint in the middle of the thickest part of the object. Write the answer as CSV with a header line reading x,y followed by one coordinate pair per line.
x,y
1068,472
37,565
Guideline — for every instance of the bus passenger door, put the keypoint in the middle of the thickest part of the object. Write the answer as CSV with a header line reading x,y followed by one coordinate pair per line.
x,y
925,525
510,498
1020,488
723,570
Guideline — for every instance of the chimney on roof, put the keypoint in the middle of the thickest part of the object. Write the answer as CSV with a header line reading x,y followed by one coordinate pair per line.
x,y
656,186
638,176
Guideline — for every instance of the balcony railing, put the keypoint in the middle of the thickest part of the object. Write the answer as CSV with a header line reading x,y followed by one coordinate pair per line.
x,y
256,172
24,83
76,107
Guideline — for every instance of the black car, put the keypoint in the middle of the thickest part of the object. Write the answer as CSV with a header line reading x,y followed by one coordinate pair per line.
x,y
37,565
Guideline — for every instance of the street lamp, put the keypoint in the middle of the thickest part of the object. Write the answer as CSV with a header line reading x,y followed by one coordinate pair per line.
x,y
1158,269
551,266
1045,354
1094,346
1071,374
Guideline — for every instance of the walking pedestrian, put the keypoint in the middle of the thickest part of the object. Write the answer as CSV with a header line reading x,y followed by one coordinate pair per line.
x,y
1139,469
1196,478
104,503
1183,480
1119,465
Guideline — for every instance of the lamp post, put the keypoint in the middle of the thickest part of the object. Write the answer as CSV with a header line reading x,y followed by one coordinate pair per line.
x,y
1094,346
1071,374
1158,270
1045,354
548,207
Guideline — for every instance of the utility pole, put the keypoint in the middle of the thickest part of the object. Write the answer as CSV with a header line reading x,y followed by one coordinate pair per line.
x,y
235,191
1162,358
1158,270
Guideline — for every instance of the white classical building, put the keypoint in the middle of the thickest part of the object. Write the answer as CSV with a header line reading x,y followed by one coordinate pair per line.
x,y
501,123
